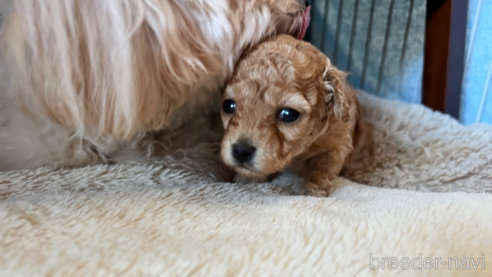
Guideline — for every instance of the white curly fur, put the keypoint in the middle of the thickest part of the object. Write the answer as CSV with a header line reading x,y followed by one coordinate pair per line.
x,y
91,77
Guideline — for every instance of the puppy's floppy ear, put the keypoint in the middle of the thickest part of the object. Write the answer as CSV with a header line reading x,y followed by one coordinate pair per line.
x,y
335,87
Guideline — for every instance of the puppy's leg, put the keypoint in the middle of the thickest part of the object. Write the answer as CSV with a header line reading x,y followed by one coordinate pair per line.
x,y
324,168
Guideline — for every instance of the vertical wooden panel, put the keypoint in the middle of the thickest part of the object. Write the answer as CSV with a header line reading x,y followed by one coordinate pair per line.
x,y
436,56
444,56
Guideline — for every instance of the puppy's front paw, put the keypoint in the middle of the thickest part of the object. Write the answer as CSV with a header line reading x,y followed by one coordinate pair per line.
x,y
318,190
240,179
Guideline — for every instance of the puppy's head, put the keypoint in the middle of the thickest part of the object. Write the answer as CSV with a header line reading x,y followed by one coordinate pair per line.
x,y
282,96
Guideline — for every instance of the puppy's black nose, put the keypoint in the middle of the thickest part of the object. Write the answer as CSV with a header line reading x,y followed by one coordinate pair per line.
x,y
243,152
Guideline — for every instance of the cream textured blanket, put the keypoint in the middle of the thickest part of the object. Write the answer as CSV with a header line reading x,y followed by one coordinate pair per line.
x,y
175,218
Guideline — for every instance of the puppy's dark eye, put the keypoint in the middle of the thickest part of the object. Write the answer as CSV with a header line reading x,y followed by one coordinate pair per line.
x,y
288,115
229,106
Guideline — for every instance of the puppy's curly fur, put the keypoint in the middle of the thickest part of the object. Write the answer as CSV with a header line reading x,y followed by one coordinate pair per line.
x,y
94,76
287,73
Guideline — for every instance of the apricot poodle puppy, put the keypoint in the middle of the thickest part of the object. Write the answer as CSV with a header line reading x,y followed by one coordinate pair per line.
x,y
287,108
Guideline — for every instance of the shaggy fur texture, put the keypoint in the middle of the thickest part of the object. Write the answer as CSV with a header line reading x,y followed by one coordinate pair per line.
x,y
287,73
126,220
93,74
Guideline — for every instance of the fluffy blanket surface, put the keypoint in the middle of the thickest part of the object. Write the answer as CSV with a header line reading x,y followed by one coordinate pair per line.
x,y
425,197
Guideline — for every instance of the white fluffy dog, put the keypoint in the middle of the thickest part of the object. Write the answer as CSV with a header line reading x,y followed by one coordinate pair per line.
x,y
85,81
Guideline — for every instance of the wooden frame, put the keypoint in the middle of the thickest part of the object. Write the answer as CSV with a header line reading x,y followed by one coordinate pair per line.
x,y
444,55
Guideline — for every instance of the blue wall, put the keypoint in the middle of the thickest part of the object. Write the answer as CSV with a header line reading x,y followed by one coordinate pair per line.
x,y
476,98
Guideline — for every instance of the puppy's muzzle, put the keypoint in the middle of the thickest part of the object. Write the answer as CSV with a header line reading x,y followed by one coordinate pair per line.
x,y
243,152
